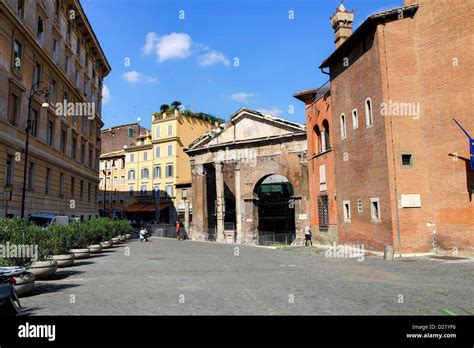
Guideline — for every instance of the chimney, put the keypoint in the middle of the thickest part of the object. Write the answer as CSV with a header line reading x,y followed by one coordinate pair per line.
x,y
341,22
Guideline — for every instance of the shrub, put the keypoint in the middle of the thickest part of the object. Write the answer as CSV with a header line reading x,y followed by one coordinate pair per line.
x,y
18,232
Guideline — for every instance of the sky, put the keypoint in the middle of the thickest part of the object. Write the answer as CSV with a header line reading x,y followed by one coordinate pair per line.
x,y
215,56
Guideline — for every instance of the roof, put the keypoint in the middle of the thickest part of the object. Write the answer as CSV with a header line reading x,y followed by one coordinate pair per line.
x,y
366,26
112,154
317,93
208,136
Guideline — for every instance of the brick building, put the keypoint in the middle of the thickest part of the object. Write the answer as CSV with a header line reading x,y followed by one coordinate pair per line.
x,y
402,165
322,182
51,46
250,180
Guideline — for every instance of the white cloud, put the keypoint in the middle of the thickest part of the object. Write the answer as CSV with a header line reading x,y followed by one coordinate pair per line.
x,y
213,57
136,77
241,97
272,111
105,94
172,46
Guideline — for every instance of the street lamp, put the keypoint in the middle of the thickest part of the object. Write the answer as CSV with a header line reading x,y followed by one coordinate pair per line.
x,y
35,90
104,171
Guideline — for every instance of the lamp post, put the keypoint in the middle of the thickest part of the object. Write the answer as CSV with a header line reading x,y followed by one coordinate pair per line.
x,y
35,90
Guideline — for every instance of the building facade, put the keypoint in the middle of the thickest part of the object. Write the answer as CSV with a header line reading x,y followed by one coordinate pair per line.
x,y
402,165
321,176
49,51
151,179
250,181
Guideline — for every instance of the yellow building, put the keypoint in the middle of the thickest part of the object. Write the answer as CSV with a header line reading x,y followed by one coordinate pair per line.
x,y
59,62
157,171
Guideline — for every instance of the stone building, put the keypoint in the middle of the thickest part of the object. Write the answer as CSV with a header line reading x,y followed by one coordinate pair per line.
x,y
402,165
250,180
322,181
49,48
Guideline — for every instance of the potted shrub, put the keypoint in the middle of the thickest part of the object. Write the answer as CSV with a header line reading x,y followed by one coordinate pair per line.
x,y
59,237
79,241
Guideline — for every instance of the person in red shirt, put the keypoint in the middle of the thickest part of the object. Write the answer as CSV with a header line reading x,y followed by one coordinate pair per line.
x,y
178,236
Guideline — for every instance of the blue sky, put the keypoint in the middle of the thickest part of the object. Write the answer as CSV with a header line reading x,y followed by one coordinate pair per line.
x,y
157,57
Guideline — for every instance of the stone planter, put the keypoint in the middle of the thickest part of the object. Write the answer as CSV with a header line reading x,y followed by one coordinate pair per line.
x,y
95,248
64,260
80,253
128,236
115,240
43,269
24,283
122,238
106,245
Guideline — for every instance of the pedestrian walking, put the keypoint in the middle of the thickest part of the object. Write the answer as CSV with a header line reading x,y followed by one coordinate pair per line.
x,y
307,236
178,227
143,234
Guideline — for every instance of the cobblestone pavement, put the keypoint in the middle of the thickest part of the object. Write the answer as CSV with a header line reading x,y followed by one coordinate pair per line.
x,y
169,277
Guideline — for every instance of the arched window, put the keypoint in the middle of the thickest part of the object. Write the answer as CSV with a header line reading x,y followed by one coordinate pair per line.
x,y
318,144
343,126
325,141
369,118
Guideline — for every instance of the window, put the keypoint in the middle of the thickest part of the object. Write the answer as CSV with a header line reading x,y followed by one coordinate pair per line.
x,y
143,190
50,133
77,79
90,157
130,190
9,171
85,87
156,190
360,206
131,132
355,119
73,147
73,184
31,176
81,190
56,50
89,192
115,181
83,153
157,132
323,211
78,47
122,180
14,109
157,172
107,181
131,174
145,155
132,157
20,8
91,128
170,150
65,99
184,194
122,196
325,140
107,165
40,30
322,178
57,8
62,141
343,126
47,184
35,119
169,171
52,92
37,73
68,32
375,209
170,129
169,190
407,160
84,125
347,211
68,65
144,173
369,118
61,184
17,52
157,152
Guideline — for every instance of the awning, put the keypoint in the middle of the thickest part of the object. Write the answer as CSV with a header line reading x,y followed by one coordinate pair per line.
x,y
164,205
138,208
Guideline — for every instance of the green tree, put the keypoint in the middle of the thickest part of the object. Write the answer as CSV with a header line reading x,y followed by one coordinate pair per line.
x,y
176,104
164,108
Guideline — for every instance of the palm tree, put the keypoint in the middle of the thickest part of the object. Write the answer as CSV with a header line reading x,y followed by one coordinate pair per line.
x,y
176,104
164,108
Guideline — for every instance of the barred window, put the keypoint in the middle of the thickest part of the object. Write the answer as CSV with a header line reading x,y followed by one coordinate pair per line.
x,y
323,211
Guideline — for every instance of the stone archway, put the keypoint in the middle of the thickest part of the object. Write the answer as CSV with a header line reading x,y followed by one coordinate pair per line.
x,y
275,210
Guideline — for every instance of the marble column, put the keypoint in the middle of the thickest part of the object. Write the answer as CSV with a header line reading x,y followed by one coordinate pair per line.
x,y
220,202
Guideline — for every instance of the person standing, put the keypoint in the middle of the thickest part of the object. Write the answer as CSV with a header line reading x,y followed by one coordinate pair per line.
x,y
177,226
307,236
143,234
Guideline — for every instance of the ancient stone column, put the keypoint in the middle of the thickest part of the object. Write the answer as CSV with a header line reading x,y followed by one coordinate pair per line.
x,y
238,206
220,202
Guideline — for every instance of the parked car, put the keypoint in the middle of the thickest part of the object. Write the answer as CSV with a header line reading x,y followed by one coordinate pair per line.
x,y
46,219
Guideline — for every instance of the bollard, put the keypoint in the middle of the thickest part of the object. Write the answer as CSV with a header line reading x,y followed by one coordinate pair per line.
x,y
388,253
